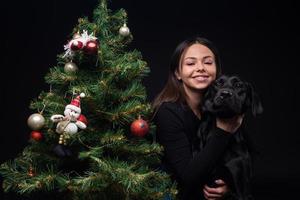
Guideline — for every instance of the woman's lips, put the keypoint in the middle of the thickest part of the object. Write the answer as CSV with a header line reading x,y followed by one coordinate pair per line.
x,y
201,78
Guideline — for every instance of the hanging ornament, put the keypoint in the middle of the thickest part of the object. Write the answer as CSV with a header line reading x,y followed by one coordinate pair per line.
x,y
31,172
70,67
124,30
139,127
80,42
36,121
76,44
69,123
36,135
38,184
91,47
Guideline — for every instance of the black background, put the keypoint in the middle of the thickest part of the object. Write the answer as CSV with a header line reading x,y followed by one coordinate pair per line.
x,y
257,40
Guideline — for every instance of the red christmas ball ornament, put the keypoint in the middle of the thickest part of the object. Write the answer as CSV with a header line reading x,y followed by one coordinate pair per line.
x,y
76,45
91,47
139,127
36,135
83,119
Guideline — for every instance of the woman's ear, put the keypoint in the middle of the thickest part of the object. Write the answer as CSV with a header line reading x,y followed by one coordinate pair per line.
x,y
177,75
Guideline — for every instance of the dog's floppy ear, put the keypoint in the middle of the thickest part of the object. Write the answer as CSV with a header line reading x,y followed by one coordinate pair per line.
x,y
253,100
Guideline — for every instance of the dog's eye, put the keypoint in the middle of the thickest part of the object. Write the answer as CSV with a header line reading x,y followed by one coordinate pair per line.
x,y
238,84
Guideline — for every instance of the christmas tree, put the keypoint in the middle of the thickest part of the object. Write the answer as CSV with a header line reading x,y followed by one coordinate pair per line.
x,y
92,136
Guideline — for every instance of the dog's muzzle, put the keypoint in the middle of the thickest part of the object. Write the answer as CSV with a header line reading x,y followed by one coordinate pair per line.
x,y
222,96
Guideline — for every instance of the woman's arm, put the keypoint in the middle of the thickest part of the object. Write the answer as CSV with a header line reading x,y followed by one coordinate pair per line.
x,y
213,193
189,169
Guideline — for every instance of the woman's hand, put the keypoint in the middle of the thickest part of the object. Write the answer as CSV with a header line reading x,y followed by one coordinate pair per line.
x,y
230,124
215,193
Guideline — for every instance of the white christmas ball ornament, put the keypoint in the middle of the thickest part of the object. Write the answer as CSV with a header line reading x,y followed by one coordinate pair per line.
x,y
70,67
124,30
36,121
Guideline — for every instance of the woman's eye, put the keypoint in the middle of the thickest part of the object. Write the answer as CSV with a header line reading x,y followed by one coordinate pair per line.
x,y
208,61
190,63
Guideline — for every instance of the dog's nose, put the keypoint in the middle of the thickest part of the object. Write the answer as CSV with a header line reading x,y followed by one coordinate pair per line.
x,y
225,93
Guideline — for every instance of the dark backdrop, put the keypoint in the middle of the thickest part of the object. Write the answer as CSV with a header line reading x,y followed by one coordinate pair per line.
x,y
257,40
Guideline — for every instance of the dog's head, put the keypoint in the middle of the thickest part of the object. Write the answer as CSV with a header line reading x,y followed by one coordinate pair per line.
x,y
228,96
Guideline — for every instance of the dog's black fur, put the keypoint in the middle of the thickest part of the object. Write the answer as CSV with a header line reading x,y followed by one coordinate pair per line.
x,y
227,97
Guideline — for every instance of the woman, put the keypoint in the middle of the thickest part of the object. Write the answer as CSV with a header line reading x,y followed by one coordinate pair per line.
x,y
194,65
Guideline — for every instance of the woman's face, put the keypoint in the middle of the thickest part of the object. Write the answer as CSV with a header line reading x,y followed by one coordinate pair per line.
x,y
197,68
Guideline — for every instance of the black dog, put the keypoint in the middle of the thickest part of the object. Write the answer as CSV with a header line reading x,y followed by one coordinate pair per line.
x,y
227,97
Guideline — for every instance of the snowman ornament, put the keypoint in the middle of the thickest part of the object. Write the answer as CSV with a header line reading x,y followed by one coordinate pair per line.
x,y
72,120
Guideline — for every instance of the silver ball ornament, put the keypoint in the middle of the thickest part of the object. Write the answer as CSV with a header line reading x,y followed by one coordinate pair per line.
x,y
124,30
36,121
70,67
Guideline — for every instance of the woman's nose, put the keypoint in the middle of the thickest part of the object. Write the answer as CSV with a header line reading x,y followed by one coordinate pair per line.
x,y
200,66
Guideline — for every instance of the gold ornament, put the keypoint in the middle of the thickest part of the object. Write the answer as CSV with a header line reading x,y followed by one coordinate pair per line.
x,y
38,184
63,138
76,35
31,172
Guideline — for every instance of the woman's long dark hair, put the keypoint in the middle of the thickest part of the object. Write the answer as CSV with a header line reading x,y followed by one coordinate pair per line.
x,y
173,90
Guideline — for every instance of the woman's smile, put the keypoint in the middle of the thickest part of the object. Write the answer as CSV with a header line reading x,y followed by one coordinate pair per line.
x,y
201,78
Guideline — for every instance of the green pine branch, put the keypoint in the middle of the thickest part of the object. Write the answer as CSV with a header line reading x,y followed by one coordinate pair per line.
x,y
111,162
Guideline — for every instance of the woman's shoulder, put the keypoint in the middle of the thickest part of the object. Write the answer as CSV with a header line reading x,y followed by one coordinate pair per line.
x,y
170,110
169,115
171,106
